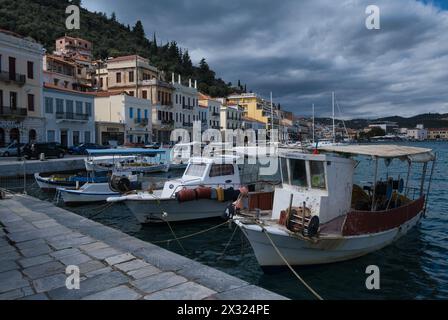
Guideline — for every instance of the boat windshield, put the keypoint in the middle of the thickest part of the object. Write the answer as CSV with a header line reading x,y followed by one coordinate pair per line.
x,y
298,172
317,172
196,170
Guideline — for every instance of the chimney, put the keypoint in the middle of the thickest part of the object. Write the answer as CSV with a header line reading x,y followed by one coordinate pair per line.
x,y
179,80
195,84
189,83
172,77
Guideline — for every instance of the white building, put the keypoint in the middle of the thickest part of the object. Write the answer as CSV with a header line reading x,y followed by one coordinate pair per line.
x,y
186,105
231,117
69,116
20,89
122,118
213,114
417,133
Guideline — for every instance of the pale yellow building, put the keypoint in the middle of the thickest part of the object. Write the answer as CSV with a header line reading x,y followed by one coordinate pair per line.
x,y
21,117
255,107
438,133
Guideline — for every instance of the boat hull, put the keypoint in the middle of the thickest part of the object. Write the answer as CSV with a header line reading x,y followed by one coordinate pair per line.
x,y
301,252
72,196
151,211
49,185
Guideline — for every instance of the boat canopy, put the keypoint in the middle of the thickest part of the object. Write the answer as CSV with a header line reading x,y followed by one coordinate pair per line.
x,y
386,151
124,151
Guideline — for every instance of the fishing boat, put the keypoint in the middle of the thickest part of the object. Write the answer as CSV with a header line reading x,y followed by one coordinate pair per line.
x,y
98,192
208,186
50,183
319,215
137,160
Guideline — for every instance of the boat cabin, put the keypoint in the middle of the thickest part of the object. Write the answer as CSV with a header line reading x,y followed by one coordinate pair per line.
x,y
322,183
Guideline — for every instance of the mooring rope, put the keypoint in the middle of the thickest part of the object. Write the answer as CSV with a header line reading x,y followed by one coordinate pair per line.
x,y
191,235
175,237
289,266
228,243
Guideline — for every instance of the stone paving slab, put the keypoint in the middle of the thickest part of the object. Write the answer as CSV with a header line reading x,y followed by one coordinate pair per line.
x,y
39,240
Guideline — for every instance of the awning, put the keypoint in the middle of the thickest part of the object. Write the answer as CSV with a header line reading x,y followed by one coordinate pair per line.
x,y
386,151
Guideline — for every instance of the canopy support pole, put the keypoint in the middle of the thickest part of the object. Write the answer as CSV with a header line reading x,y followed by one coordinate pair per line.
x,y
407,178
374,184
429,183
422,182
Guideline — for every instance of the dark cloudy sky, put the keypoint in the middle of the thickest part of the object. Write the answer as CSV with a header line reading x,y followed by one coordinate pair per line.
x,y
303,50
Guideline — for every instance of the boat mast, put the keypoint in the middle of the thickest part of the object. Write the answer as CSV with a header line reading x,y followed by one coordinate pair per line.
x,y
272,114
334,128
313,122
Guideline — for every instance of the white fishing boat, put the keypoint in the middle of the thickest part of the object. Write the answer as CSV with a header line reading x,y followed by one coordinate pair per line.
x,y
51,182
207,187
320,216
137,160
98,192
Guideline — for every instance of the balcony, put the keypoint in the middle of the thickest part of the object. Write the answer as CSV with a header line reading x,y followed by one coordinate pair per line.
x,y
167,122
215,114
19,79
143,122
187,124
13,112
72,116
187,107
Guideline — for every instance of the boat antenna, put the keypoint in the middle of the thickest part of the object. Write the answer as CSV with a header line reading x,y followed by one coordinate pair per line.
x,y
272,114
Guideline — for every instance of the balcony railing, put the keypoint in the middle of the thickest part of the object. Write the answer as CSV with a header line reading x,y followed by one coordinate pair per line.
x,y
167,122
141,121
215,114
187,124
187,107
72,116
13,111
12,77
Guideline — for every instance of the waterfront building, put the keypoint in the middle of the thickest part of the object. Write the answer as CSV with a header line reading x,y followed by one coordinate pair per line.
x,y
387,126
186,105
72,46
256,108
137,77
69,115
438,133
249,123
231,117
213,107
121,118
21,116
417,134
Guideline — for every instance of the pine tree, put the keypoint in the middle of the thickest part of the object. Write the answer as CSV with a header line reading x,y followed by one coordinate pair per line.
x,y
113,17
138,30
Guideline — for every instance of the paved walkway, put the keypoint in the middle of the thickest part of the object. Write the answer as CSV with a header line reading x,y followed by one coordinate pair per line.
x,y
38,240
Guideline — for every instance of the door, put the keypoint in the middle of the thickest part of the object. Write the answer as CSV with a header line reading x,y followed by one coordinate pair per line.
x,y
64,138
14,135
2,137
12,68
13,100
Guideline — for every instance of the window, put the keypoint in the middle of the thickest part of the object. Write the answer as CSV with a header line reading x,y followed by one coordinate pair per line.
x,y
158,96
118,77
89,109
146,114
50,136
196,170
298,172
145,94
221,170
284,168
31,102
131,113
131,76
159,115
139,114
79,71
177,99
101,82
177,117
13,100
317,172
59,106
131,93
48,105
69,106
30,70
75,138
78,107
87,137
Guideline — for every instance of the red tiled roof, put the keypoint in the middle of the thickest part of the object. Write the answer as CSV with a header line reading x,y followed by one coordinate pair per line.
x,y
52,86
11,33
437,129
126,58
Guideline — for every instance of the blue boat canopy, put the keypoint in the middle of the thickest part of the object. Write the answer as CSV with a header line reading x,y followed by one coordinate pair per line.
x,y
124,151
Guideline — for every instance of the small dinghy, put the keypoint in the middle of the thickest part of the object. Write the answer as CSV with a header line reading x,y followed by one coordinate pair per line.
x,y
54,181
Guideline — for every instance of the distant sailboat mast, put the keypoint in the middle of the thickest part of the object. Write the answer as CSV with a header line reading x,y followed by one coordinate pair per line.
x,y
334,127
313,122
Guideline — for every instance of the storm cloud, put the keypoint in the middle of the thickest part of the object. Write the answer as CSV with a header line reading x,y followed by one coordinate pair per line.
x,y
303,50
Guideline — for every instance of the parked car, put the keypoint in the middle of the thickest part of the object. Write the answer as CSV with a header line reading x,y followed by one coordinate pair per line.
x,y
81,148
49,149
11,149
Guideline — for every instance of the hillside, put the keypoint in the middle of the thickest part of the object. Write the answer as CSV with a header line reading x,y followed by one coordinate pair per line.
x,y
429,120
44,21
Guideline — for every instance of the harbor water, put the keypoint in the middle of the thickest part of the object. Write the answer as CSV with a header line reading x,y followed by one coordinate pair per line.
x,y
414,267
